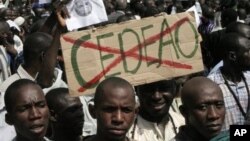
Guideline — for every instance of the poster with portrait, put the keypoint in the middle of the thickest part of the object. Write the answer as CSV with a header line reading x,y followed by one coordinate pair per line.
x,y
84,13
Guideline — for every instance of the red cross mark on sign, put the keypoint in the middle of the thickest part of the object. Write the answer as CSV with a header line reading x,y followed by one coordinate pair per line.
x,y
130,53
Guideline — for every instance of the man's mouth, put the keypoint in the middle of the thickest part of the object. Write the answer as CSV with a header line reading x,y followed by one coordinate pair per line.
x,y
118,132
38,128
214,127
158,106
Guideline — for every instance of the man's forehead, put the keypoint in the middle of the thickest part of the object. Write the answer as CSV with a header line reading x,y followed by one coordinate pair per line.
x,y
23,100
67,100
72,100
207,94
117,94
29,93
117,102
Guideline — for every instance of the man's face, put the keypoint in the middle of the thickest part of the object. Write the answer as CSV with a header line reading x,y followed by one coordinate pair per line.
x,y
70,115
206,111
5,34
215,4
30,113
156,98
116,112
243,54
11,14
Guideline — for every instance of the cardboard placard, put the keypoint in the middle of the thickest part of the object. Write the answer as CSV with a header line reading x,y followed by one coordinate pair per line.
x,y
140,51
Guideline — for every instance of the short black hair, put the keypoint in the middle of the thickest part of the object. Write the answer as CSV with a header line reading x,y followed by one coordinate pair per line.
x,y
115,82
237,27
230,15
192,86
229,42
12,91
54,95
34,45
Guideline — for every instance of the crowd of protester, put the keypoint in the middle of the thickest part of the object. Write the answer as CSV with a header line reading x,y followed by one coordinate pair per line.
x,y
35,104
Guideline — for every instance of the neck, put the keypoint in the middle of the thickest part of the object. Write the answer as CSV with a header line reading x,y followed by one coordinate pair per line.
x,y
62,135
231,73
150,118
102,138
194,134
21,138
31,70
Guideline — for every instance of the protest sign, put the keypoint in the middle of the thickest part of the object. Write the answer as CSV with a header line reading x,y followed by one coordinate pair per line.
x,y
140,51
84,13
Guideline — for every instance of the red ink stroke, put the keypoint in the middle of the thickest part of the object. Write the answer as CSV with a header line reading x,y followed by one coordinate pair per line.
x,y
130,53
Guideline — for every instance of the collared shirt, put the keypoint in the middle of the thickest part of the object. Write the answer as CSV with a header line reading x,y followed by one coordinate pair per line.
x,y
149,131
90,124
233,113
4,64
88,138
187,134
45,139
7,133
223,136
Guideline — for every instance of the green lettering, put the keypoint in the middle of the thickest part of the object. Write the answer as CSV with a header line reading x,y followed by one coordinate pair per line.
x,y
74,64
121,43
149,63
164,27
196,41
106,56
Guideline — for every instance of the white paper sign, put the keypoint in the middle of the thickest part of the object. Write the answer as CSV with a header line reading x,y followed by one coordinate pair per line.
x,y
84,13
44,1
197,17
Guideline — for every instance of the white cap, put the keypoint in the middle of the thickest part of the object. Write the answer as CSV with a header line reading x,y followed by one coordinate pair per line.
x,y
12,24
19,21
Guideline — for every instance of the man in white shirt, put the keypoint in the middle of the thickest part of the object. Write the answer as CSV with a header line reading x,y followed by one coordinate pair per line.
x,y
155,121
34,48
27,110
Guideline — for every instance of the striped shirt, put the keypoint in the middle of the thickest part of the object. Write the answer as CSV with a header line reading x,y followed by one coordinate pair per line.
x,y
233,113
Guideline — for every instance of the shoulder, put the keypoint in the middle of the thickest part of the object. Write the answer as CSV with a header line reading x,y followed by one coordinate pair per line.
x,y
223,136
216,77
58,82
88,138
182,135
177,118
8,82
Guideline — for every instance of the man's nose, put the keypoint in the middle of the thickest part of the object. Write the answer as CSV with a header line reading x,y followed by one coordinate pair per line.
x,y
117,117
34,113
157,95
212,113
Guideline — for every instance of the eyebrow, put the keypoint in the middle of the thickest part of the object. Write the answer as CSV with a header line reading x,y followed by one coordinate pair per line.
x,y
26,103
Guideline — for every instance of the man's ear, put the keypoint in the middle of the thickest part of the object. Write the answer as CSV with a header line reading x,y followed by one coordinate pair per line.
x,y
92,111
8,119
232,56
183,111
53,116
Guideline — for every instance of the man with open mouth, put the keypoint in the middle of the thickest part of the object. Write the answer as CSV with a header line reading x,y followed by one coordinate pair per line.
x,y
27,110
